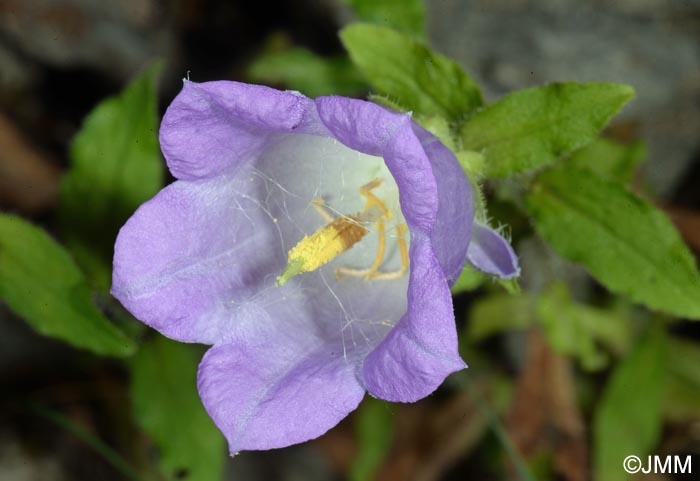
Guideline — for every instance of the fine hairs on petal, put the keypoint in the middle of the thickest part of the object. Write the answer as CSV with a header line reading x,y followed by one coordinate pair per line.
x,y
491,253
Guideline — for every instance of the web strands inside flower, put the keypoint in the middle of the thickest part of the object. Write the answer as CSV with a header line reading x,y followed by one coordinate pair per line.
x,y
302,185
341,234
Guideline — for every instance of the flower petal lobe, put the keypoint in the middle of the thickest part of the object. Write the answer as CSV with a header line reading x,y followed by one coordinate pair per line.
x,y
264,395
421,350
215,127
491,253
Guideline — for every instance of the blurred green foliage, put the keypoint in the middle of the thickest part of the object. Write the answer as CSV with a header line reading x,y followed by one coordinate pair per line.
x,y
682,396
41,283
374,431
628,417
300,69
115,166
573,329
578,330
499,313
167,407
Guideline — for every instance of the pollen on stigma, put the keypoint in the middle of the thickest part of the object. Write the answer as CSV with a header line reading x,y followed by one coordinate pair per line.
x,y
342,233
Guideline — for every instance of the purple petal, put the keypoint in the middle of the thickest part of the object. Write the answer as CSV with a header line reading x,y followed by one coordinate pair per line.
x,y
265,395
436,201
369,128
491,253
421,350
453,224
215,127
186,251
435,194
359,124
413,173
198,262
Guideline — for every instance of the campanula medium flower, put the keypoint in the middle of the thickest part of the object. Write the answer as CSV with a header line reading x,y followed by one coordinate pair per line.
x,y
312,243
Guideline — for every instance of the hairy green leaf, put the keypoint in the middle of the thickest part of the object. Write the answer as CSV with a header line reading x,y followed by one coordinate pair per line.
x,y
374,429
384,101
302,70
412,75
440,128
469,280
167,407
42,284
405,15
624,242
628,418
116,166
472,162
534,127
610,159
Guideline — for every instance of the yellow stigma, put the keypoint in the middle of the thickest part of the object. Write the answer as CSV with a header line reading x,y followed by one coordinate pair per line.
x,y
339,235
322,246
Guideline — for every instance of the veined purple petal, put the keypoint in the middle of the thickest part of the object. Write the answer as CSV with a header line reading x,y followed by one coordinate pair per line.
x,y
452,229
436,201
435,194
421,350
265,394
213,128
187,251
360,125
491,253
413,173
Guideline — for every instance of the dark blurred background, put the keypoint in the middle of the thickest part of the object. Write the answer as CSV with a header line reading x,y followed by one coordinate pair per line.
x,y
59,58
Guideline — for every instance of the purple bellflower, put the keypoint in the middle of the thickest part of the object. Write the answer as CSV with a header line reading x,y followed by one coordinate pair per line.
x,y
312,243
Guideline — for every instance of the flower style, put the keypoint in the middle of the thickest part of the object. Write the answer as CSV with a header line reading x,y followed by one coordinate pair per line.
x,y
312,243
